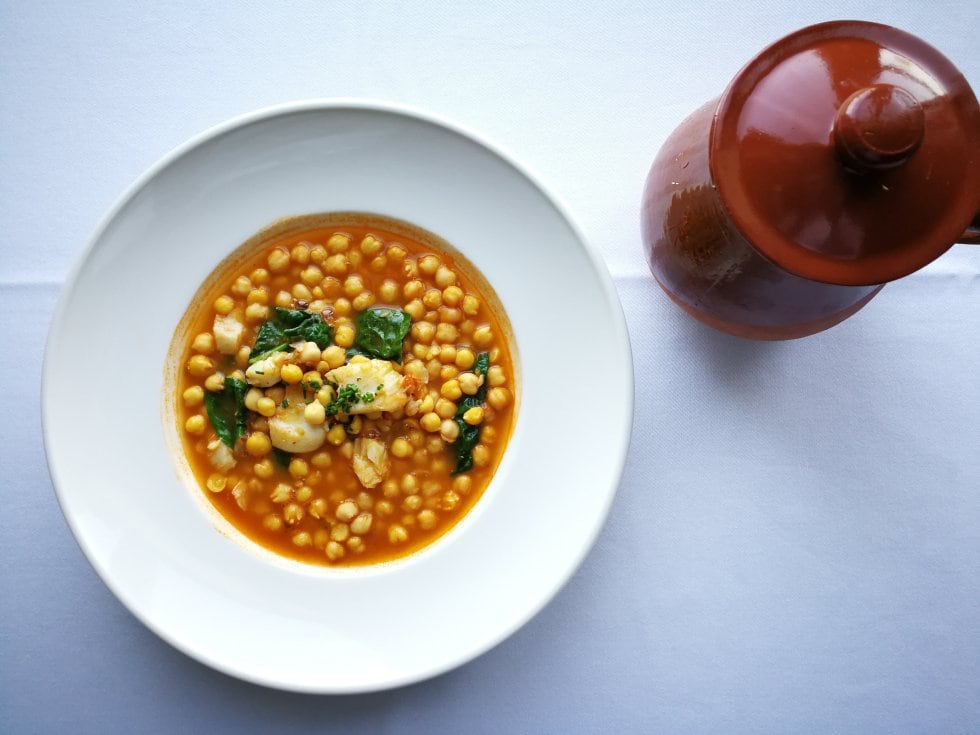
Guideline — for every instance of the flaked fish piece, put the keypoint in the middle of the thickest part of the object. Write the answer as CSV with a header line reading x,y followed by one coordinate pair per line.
x,y
220,456
376,380
265,372
370,460
288,428
227,334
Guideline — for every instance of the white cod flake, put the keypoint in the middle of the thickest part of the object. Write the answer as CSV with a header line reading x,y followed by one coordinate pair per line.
x,y
265,372
375,377
370,461
220,455
290,431
227,334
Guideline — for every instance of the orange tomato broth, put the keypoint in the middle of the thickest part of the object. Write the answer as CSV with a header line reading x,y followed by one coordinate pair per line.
x,y
397,501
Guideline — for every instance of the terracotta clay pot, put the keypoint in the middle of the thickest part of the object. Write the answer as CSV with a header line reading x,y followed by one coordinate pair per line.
x,y
843,156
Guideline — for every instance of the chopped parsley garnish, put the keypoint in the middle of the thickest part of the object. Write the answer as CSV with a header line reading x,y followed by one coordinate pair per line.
x,y
347,396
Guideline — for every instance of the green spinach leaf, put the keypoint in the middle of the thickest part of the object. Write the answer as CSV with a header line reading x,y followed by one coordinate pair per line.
x,y
469,436
381,332
226,410
282,457
288,326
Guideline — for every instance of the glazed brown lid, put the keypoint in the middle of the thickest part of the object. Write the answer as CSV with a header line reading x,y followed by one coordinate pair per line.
x,y
849,152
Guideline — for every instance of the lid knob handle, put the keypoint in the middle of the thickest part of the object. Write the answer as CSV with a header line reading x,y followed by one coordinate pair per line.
x,y
878,127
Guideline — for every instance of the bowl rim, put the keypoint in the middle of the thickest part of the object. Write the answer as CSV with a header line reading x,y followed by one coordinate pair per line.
x,y
357,104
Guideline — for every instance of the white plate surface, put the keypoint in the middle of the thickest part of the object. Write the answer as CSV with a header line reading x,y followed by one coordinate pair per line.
x,y
285,624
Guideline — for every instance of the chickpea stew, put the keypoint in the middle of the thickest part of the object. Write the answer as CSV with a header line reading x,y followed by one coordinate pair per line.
x,y
345,390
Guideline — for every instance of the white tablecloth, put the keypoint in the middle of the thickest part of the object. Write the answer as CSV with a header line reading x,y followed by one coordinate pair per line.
x,y
795,544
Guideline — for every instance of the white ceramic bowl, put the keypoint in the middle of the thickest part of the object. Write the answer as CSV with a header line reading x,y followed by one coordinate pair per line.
x,y
285,624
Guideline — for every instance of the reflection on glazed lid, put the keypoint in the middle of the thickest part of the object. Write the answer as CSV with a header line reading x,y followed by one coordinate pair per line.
x,y
849,152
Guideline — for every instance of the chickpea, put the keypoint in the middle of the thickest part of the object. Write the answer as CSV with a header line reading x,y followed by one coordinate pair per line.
x,y
337,435
462,484
284,299
432,299
334,551
401,448
256,313
311,276
450,316
309,354
396,252
263,469
445,409
224,305
344,336
482,335
471,305
474,416
260,276
470,383
335,265
445,277
300,253
301,292
292,513
321,460
338,243
340,532
361,524
429,264
257,296
427,519
354,258
193,396
298,467
397,534
317,507
302,538
448,372
498,397
430,422
241,286
291,374
388,291
314,413
346,511
446,333
199,366
449,430
278,260
363,301
266,406
203,343
241,357
467,327
195,424
415,309
422,332
465,359
481,455
341,307
451,390
495,376
353,285
371,245
272,522
318,254
420,351
449,500
447,355
258,444
413,289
